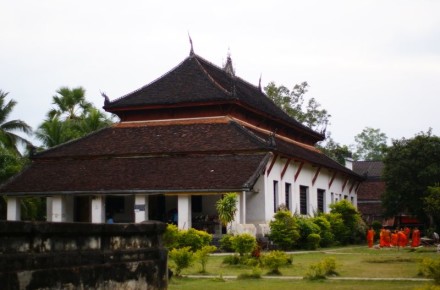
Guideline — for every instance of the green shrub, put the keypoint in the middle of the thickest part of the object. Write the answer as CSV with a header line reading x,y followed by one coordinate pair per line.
x,y
283,230
255,274
194,239
339,230
226,243
244,244
321,270
430,268
182,258
327,237
231,260
306,227
355,227
171,237
313,241
274,260
202,256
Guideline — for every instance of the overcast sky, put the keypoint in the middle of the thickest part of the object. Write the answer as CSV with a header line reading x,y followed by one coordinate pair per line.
x,y
369,63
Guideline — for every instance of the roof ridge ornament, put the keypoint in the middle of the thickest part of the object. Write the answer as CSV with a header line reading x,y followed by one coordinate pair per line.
x,y
106,99
228,67
191,52
259,83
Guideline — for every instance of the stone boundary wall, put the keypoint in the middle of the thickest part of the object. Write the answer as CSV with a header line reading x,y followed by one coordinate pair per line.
x,y
43,255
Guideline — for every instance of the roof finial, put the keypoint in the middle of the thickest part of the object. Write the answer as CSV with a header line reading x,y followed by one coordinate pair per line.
x,y
259,82
191,52
227,67
106,99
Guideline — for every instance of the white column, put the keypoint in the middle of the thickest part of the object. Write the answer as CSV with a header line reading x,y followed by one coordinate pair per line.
x,y
140,208
184,211
49,209
98,209
243,207
13,210
58,209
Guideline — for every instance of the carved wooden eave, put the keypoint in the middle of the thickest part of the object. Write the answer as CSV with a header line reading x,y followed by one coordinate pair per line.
x,y
285,167
345,183
332,179
272,163
316,175
298,171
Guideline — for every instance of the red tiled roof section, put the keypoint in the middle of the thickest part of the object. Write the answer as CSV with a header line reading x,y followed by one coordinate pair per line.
x,y
196,80
369,169
161,174
156,139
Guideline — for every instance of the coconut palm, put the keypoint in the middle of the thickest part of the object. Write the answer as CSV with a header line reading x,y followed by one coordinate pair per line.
x,y
8,138
93,121
70,104
53,132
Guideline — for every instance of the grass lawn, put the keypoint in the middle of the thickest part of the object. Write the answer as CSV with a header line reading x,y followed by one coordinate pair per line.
x,y
356,261
265,284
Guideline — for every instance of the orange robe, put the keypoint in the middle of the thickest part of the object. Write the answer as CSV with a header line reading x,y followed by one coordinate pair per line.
x,y
370,238
415,238
407,232
382,238
394,239
401,239
387,238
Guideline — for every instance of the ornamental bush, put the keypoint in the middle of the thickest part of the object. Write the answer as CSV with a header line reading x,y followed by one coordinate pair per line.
x,y
327,237
274,260
283,230
182,258
226,243
194,239
202,256
313,241
306,227
244,243
321,270
430,268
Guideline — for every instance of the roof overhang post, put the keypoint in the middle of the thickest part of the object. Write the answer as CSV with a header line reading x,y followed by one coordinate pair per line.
x,y
316,175
140,208
184,211
98,209
298,171
13,208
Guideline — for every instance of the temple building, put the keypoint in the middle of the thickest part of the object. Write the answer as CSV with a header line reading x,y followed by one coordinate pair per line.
x,y
184,140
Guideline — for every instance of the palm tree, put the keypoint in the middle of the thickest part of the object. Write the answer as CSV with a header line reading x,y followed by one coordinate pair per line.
x,y
8,139
70,104
93,121
226,208
53,132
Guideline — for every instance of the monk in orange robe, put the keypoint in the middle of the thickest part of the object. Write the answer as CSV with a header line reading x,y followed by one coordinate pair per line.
x,y
407,232
401,239
415,242
382,238
394,239
370,237
387,238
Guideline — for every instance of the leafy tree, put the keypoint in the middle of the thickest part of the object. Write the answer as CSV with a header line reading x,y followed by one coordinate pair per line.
x,y
70,104
284,230
432,206
8,138
370,145
410,167
71,118
335,150
355,227
227,207
292,102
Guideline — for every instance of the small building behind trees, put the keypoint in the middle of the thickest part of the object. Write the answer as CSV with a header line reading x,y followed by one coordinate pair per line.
x,y
184,140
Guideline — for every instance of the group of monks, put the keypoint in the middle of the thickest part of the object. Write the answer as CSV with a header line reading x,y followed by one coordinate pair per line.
x,y
397,238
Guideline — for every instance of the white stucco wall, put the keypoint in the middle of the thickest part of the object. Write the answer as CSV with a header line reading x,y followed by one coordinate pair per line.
x,y
260,204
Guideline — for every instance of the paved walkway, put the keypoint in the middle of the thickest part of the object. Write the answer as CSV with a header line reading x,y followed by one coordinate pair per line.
x,y
300,278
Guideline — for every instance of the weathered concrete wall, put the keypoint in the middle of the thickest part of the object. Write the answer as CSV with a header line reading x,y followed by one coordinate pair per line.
x,y
36,255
